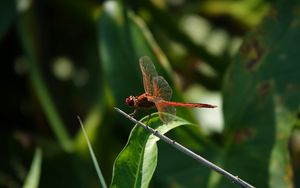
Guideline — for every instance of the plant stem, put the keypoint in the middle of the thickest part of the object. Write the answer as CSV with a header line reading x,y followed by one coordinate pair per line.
x,y
96,165
203,161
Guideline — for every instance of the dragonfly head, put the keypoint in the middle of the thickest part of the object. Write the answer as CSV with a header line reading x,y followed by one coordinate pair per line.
x,y
130,101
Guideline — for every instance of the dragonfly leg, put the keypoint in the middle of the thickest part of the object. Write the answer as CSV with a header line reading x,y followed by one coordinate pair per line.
x,y
133,113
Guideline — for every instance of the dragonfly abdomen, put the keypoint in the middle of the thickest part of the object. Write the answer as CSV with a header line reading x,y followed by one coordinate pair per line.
x,y
190,105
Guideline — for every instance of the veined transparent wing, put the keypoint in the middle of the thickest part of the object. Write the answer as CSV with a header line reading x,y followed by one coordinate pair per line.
x,y
166,113
163,93
148,71
161,88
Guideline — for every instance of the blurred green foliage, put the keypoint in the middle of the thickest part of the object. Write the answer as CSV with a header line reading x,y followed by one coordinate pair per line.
x,y
67,58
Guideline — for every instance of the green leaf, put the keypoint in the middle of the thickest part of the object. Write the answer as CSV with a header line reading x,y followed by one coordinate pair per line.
x,y
33,177
281,174
250,137
136,163
261,100
93,156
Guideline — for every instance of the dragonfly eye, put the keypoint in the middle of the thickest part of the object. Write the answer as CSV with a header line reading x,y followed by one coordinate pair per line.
x,y
130,101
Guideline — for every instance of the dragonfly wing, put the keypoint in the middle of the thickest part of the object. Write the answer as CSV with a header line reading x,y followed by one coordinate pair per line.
x,y
165,112
148,71
161,88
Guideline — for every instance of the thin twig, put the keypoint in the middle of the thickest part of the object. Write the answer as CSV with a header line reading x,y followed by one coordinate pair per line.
x,y
232,178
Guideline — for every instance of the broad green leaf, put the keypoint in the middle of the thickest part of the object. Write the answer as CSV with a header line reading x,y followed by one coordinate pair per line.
x,y
136,163
261,100
33,177
249,144
281,174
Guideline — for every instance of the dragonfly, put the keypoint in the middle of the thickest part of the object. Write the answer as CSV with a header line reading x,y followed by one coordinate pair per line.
x,y
158,93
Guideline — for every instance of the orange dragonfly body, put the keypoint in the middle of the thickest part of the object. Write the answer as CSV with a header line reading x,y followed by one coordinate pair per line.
x,y
157,94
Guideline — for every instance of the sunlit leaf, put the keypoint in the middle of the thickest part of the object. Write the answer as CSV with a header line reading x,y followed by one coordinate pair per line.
x,y
33,177
136,163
